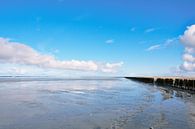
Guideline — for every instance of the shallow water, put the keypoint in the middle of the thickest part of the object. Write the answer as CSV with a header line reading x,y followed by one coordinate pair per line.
x,y
111,103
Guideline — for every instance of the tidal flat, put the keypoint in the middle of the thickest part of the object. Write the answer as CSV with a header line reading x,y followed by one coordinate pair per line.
x,y
103,103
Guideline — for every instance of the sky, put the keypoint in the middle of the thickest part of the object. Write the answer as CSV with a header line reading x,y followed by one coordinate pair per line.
x,y
97,37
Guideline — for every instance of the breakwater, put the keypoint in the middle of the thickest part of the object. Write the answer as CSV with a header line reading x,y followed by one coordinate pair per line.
x,y
185,83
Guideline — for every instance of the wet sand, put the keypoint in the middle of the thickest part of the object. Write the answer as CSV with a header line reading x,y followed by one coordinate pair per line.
x,y
92,104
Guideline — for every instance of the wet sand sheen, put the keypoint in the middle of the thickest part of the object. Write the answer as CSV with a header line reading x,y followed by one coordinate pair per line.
x,y
93,104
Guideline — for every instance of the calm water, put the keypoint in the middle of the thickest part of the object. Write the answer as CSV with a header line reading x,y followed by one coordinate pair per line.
x,y
92,104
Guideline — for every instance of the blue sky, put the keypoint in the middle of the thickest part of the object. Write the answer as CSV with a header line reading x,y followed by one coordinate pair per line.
x,y
141,36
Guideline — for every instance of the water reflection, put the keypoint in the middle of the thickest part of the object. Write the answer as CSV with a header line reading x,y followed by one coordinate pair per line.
x,y
92,104
170,93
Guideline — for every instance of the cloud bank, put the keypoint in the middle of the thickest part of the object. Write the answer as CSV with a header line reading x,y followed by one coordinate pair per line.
x,y
188,40
18,53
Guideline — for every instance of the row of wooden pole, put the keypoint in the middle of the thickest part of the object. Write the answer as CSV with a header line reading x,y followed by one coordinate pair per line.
x,y
182,83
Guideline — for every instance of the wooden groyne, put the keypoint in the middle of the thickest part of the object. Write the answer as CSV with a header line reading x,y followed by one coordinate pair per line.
x,y
185,83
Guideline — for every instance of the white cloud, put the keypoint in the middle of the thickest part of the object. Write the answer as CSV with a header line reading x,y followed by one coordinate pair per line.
x,y
154,47
18,53
187,66
188,57
170,41
149,30
188,40
163,45
189,50
108,67
16,69
109,41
